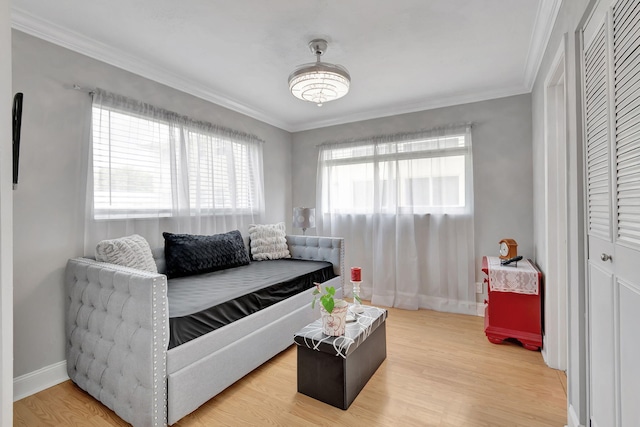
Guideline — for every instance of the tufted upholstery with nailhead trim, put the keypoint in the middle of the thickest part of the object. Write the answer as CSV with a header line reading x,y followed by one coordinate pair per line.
x,y
117,335
330,249
117,332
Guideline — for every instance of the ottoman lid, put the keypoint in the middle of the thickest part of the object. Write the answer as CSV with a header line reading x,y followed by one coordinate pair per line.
x,y
366,323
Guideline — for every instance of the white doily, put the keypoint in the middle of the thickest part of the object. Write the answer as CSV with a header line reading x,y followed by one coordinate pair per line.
x,y
522,279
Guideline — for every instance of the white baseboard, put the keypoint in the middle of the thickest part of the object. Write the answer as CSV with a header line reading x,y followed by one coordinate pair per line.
x,y
480,309
543,351
33,382
573,420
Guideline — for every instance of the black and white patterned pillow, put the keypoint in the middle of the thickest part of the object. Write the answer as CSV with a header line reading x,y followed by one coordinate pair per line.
x,y
188,254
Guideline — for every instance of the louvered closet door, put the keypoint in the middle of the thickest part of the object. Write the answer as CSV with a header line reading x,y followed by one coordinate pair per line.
x,y
612,137
598,151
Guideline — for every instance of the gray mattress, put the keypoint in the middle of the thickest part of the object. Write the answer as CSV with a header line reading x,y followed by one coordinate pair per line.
x,y
206,302
192,294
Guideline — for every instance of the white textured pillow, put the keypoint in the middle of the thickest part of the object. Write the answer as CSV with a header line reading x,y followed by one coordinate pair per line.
x,y
268,241
131,251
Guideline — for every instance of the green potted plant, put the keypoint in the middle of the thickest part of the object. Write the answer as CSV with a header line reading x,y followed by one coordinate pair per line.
x,y
333,310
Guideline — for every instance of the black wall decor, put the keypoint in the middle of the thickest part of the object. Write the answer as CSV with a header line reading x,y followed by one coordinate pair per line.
x,y
17,123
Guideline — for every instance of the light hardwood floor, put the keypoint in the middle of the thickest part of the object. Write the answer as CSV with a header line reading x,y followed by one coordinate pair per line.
x,y
440,371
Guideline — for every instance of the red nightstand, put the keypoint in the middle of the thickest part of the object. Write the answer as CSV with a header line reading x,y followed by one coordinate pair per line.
x,y
516,313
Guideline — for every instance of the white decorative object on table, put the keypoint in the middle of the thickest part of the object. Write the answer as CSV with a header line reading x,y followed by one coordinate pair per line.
x,y
334,323
333,310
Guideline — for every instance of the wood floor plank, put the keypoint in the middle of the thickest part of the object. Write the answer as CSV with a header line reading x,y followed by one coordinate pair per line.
x,y
563,379
440,371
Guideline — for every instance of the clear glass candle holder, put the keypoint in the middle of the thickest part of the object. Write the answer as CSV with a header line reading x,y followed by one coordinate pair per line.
x,y
356,307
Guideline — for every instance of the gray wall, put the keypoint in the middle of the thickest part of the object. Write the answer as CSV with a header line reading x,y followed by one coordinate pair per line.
x,y
567,22
48,206
502,164
6,223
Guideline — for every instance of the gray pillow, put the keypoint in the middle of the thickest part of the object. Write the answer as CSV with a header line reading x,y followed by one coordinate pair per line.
x,y
188,254
131,251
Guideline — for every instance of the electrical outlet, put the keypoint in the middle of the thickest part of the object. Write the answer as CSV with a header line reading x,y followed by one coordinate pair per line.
x,y
479,289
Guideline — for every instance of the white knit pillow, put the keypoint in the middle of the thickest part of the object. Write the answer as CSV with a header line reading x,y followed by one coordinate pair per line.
x,y
268,241
131,251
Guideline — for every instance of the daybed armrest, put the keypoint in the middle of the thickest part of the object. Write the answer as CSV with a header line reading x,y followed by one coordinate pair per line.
x,y
117,331
314,248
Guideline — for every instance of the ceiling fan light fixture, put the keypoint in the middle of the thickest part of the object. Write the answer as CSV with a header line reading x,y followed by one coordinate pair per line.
x,y
319,82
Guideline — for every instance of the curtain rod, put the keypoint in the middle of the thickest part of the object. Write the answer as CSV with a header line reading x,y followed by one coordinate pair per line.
x,y
399,135
79,88
92,91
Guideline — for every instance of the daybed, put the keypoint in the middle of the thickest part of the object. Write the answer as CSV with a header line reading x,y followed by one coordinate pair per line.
x,y
117,333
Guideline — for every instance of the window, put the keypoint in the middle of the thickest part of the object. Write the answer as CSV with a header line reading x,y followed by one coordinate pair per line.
x,y
150,162
404,204
419,174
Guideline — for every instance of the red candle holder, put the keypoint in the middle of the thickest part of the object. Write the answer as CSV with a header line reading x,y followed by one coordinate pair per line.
x,y
356,274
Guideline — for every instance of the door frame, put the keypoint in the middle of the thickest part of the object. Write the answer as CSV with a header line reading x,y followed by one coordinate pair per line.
x,y
6,224
556,193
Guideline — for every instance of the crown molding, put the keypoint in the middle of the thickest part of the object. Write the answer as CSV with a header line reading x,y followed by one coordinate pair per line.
x,y
413,108
542,29
46,30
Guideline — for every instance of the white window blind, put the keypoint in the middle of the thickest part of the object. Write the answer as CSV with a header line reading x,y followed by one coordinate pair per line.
x,y
422,175
131,163
148,162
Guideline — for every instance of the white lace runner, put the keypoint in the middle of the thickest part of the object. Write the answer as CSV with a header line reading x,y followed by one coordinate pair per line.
x,y
356,332
522,279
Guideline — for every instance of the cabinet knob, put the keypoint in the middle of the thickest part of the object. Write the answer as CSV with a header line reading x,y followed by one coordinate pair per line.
x,y
606,257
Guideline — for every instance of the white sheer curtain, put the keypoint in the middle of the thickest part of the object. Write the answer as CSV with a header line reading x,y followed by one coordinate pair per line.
x,y
404,204
150,170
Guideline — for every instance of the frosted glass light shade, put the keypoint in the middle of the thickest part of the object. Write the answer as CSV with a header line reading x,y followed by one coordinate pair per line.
x,y
304,218
319,82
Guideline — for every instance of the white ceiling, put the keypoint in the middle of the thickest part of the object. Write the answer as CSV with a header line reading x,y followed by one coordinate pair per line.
x,y
403,55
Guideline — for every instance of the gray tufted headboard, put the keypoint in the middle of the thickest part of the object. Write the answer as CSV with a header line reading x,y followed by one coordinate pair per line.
x,y
314,248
